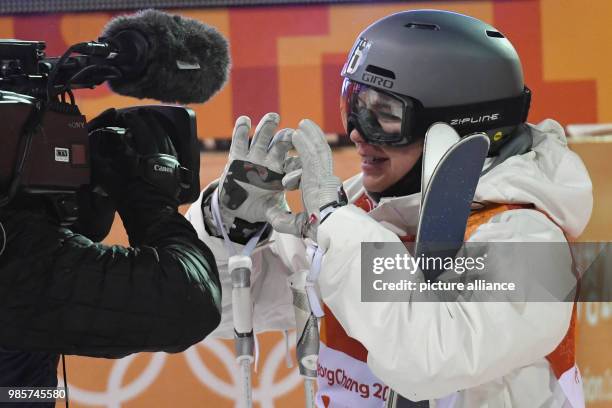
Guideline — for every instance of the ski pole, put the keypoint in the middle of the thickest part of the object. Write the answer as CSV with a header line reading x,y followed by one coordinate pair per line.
x,y
242,313
239,266
307,334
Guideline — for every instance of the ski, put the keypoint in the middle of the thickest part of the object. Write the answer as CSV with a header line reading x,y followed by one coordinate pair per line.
x,y
447,198
451,170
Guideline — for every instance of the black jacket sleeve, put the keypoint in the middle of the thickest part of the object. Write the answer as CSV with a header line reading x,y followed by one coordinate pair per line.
x,y
61,292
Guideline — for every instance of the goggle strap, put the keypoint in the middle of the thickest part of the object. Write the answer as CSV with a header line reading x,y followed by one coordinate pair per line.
x,y
477,117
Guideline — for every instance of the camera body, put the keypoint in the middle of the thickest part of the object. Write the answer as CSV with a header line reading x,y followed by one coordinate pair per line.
x,y
46,149
56,159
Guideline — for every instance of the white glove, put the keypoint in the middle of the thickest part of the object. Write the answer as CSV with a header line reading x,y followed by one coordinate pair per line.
x,y
321,190
250,188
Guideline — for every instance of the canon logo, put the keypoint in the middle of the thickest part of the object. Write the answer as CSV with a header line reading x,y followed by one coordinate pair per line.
x,y
164,169
481,119
377,81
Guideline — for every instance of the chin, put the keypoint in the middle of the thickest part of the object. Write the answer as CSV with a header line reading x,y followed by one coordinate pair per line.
x,y
374,184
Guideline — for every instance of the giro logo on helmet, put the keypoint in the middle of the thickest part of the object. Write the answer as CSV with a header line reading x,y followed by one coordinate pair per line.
x,y
377,81
481,119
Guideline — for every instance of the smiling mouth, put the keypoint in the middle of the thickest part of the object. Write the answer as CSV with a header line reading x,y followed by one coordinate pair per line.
x,y
372,159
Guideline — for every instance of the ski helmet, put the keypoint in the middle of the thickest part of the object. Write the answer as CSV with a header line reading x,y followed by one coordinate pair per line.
x,y
414,68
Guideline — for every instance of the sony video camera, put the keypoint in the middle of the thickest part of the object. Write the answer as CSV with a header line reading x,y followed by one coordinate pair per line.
x,y
44,139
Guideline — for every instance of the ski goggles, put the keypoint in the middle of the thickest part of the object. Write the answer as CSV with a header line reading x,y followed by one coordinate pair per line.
x,y
385,118
381,118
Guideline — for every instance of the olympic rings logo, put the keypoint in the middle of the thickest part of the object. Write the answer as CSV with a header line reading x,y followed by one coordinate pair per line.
x,y
269,387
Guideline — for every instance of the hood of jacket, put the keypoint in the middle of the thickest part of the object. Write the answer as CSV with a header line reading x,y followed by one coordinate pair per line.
x,y
550,176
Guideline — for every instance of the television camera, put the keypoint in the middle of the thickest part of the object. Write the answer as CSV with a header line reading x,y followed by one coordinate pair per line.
x,y
45,143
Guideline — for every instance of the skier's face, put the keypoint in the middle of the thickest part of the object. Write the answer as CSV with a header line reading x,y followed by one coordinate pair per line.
x,y
383,166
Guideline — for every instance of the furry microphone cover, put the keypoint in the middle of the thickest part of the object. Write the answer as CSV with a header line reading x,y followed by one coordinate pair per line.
x,y
172,40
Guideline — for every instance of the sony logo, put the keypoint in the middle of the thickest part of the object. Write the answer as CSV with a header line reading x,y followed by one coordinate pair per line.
x,y
76,125
164,169
376,80
480,119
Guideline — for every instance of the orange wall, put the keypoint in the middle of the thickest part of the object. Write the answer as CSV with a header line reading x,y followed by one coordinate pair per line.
x,y
287,59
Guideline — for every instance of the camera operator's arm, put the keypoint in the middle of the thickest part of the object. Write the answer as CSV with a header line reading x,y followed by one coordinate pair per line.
x,y
61,292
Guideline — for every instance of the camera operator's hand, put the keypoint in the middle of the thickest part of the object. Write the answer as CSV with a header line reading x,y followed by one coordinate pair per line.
x,y
137,168
251,190
144,152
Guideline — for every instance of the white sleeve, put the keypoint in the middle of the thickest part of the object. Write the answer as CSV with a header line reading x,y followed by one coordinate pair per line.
x,y
427,350
272,264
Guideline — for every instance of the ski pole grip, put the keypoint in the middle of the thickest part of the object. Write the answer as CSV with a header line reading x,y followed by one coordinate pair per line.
x,y
242,307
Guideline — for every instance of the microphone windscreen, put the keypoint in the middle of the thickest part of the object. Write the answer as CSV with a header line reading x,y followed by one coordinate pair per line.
x,y
187,60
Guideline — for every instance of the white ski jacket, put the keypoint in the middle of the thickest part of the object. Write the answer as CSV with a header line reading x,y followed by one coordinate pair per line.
x,y
460,355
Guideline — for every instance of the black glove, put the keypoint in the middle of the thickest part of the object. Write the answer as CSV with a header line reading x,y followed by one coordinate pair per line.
x,y
136,167
105,144
139,150
96,214
96,211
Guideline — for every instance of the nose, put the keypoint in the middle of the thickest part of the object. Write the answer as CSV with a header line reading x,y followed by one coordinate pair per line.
x,y
356,137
